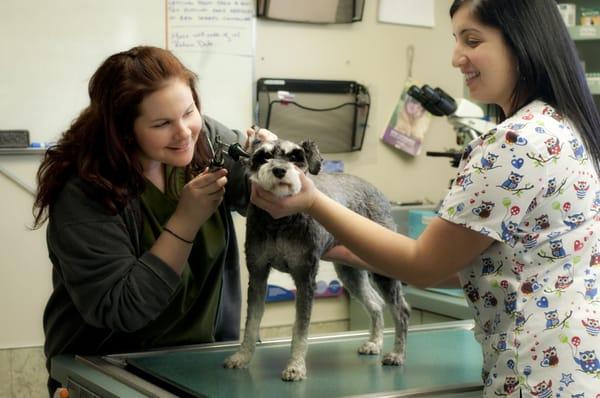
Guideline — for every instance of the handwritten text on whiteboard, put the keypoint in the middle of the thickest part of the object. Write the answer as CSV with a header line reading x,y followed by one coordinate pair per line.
x,y
220,26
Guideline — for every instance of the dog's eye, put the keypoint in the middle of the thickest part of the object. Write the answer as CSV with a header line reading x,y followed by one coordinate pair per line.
x,y
261,158
265,156
296,156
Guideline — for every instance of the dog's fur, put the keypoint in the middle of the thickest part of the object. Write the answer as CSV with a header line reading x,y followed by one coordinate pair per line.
x,y
295,244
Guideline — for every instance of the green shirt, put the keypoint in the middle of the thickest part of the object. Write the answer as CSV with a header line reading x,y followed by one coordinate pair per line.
x,y
190,315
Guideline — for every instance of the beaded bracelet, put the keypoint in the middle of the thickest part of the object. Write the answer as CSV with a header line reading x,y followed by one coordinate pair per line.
x,y
177,236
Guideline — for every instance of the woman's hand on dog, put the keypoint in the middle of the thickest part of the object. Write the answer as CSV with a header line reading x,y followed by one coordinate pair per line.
x,y
258,133
279,207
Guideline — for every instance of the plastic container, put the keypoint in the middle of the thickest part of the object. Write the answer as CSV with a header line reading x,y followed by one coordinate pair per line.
x,y
418,220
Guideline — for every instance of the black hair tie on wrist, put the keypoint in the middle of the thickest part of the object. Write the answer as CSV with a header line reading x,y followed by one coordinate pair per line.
x,y
178,237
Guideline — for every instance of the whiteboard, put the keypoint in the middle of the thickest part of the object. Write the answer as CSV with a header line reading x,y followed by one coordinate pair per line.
x,y
215,38
50,49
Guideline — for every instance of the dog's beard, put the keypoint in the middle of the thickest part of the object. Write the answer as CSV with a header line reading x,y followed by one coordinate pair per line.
x,y
288,185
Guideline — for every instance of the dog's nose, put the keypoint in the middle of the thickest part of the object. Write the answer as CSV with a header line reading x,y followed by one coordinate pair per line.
x,y
278,172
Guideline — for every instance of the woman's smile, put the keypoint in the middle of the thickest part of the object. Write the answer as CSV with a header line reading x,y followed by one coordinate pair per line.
x,y
181,147
470,77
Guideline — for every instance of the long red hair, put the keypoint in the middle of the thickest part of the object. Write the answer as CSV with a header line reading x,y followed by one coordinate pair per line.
x,y
100,145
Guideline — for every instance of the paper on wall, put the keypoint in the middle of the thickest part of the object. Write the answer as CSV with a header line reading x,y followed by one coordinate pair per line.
x,y
408,124
407,12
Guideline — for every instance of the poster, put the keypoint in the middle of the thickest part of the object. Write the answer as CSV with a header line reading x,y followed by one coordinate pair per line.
x,y
408,124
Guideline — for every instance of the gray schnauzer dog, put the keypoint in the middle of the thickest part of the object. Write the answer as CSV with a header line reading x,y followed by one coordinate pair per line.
x,y
295,244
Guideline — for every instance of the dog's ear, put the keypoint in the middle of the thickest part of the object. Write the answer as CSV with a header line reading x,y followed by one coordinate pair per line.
x,y
313,156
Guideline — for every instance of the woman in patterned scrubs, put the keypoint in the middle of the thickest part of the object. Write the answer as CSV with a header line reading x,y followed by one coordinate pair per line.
x,y
520,223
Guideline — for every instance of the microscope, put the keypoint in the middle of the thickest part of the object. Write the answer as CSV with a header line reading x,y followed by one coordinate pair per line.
x,y
467,119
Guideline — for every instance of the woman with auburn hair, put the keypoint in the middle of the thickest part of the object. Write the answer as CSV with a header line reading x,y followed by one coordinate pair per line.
x,y
139,230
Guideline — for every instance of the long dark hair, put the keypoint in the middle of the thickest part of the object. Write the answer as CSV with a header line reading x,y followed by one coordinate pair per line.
x,y
548,62
100,145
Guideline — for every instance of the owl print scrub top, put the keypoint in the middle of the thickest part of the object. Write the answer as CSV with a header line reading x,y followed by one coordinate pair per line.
x,y
530,185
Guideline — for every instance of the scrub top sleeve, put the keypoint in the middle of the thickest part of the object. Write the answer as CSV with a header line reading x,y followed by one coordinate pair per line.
x,y
498,182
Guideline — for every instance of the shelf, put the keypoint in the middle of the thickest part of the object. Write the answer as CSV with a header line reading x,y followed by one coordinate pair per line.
x,y
22,151
586,32
594,85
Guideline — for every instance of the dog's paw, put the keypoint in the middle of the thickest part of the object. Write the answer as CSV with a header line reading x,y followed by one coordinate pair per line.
x,y
369,348
295,372
393,359
237,360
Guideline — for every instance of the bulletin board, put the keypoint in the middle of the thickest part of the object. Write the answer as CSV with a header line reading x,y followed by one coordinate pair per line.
x,y
50,49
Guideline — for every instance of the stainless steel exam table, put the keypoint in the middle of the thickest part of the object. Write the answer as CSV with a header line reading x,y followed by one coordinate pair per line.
x,y
443,360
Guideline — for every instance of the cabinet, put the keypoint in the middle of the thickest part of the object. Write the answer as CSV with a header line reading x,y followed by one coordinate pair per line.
x,y
427,306
587,41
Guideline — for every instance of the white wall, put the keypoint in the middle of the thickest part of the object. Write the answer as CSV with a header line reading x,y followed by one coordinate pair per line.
x,y
368,52
25,272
